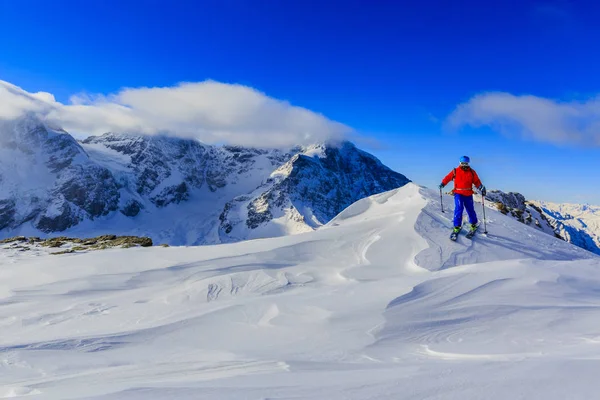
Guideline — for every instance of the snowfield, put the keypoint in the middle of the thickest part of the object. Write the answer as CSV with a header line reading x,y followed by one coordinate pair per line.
x,y
378,304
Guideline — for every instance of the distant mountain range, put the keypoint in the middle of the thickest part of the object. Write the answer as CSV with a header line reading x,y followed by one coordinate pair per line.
x,y
574,223
177,191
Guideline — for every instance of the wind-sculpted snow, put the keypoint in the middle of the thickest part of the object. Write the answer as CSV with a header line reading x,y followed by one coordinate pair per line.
x,y
373,305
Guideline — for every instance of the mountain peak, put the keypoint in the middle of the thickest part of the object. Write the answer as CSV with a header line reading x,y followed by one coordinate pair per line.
x,y
307,191
182,191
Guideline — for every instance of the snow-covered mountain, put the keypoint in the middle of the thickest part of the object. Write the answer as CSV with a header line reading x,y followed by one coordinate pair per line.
x,y
578,224
575,223
309,189
377,304
48,180
515,205
174,190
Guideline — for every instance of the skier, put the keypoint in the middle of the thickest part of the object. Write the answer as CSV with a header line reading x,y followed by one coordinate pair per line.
x,y
464,178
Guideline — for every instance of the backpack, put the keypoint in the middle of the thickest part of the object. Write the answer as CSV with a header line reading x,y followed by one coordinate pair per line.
x,y
454,176
470,169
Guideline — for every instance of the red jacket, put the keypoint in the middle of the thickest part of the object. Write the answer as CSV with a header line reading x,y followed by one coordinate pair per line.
x,y
463,180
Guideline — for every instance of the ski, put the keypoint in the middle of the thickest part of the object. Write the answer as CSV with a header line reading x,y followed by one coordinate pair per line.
x,y
454,235
471,233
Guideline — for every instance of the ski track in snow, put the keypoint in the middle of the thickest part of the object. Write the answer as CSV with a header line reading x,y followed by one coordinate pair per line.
x,y
379,304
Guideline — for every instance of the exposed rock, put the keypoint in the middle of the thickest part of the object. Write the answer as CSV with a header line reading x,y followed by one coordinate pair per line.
x,y
59,241
132,208
56,223
14,239
172,194
259,209
92,189
71,245
129,241
510,199
67,251
7,213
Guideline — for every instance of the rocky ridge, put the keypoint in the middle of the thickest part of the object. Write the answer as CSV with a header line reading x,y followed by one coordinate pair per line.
x,y
574,223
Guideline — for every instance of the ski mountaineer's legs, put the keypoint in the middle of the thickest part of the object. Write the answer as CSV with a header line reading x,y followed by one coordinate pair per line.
x,y
468,202
461,202
458,209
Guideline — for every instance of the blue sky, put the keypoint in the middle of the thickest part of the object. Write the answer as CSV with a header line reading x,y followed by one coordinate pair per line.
x,y
394,71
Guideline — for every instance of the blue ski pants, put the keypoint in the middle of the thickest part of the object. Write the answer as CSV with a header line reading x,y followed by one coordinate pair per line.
x,y
461,202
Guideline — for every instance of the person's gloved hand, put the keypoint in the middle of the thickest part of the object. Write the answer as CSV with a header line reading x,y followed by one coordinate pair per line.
x,y
482,190
441,186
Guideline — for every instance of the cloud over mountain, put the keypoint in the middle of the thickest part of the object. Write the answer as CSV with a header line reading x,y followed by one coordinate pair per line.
x,y
209,111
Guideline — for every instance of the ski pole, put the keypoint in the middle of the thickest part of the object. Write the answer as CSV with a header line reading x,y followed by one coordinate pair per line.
x,y
441,200
484,223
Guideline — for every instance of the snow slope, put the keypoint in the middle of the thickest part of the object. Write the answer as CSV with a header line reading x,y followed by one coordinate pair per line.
x,y
377,304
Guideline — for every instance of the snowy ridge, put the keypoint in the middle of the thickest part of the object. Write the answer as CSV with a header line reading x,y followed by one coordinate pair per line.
x,y
376,304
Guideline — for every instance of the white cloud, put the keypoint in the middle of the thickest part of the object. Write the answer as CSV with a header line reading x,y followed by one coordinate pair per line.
x,y
532,117
14,101
209,111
